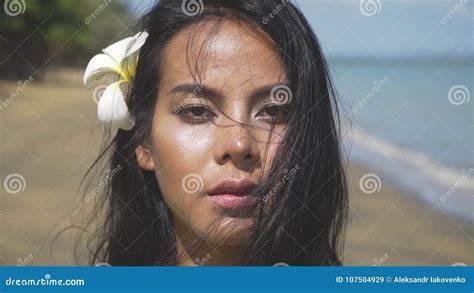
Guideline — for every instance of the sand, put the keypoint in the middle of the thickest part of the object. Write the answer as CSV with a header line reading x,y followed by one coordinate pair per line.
x,y
49,136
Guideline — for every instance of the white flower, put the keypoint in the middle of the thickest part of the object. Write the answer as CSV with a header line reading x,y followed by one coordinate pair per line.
x,y
116,68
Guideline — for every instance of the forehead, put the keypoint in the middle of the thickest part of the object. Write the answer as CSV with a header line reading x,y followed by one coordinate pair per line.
x,y
222,50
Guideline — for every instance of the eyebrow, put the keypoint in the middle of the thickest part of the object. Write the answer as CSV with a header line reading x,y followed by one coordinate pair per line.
x,y
202,91
197,89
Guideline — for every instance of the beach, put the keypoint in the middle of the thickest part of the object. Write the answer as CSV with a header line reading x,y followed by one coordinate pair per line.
x,y
50,137
396,228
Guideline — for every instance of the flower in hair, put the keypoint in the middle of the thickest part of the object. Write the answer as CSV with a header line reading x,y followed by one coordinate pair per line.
x,y
115,70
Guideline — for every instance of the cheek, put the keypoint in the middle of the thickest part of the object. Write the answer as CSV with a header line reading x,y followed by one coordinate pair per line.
x,y
176,147
271,148
179,153
182,146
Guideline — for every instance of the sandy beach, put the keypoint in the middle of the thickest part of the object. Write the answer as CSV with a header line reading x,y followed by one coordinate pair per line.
x,y
49,134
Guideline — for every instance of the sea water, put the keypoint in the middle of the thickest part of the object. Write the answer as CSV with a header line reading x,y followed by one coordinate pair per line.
x,y
411,121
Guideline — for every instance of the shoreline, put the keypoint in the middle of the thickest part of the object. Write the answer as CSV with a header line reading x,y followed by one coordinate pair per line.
x,y
432,183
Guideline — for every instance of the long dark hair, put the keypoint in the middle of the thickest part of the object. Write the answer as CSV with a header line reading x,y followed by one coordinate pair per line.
x,y
306,222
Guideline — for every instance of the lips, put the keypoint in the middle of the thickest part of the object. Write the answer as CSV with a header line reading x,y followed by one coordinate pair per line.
x,y
232,194
236,187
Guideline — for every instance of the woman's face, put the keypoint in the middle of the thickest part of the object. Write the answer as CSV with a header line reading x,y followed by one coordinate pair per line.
x,y
211,141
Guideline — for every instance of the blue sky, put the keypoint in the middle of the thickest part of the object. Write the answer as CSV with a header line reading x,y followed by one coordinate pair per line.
x,y
401,28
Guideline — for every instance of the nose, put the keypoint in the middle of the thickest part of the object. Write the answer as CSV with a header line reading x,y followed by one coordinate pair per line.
x,y
237,145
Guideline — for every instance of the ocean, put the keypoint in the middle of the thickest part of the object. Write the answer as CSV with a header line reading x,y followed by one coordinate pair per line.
x,y
411,122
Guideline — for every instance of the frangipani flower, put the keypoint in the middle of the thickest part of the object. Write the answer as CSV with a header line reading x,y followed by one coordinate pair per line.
x,y
116,67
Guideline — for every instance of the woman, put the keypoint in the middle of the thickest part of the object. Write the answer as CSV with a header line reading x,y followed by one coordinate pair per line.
x,y
229,153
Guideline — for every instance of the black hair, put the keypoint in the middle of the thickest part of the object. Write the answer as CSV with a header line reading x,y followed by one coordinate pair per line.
x,y
306,220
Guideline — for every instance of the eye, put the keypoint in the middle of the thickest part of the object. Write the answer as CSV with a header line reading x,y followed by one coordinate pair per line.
x,y
196,114
275,113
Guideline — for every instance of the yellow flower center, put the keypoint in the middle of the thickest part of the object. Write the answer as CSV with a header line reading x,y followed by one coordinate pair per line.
x,y
128,68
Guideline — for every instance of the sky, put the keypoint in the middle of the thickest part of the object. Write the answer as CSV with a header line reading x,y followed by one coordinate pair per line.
x,y
387,29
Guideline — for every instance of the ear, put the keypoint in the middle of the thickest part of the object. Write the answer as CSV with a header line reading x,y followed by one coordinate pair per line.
x,y
145,158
